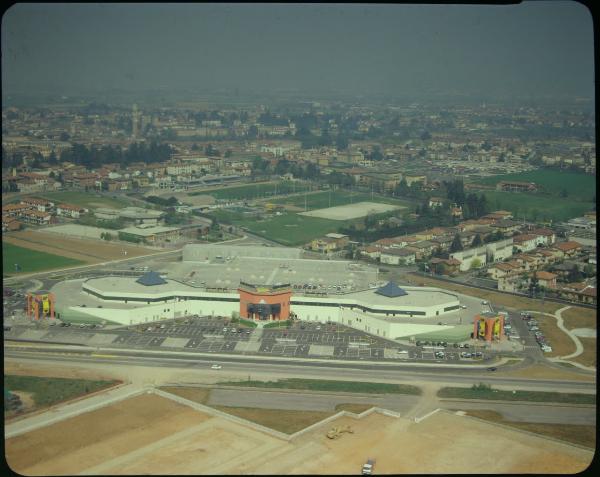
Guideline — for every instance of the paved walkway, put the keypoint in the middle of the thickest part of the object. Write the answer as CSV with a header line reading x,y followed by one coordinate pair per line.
x,y
574,338
70,409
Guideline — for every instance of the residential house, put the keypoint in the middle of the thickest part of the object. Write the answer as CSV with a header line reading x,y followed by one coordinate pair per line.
x,y
525,242
578,292
397,256
473,257
423,249
435,202
545,279
36,217
499,250
371,252
507,226
10,224
569,248
444,266
546,236
42,205
68,210
15,210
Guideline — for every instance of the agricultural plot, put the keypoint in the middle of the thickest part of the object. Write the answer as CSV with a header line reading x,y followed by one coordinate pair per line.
x,y
31,260
578,186
537,207
259,190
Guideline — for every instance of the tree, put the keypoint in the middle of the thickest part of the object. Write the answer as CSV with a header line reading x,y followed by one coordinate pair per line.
x,y
563,193
534,285
575,275
456,245
477,241
475,264
425,135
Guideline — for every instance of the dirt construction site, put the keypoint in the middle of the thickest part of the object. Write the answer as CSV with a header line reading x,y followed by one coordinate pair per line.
x,y
151,434
86,250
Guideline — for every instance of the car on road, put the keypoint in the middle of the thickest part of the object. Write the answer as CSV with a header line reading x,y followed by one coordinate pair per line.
x,y
464,307
464,354
484,302
216,366
492,368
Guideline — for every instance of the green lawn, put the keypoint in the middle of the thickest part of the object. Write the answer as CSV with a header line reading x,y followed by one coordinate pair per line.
x,y
329,385
85,199
31,260
485,392
49,391
255,191
322,200
287,229
579,186
537,207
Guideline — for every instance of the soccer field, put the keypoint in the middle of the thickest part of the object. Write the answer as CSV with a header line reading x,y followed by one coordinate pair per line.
x,y
258,190
325,199
287,229
31,260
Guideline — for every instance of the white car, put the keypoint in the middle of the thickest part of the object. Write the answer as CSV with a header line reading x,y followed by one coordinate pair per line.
x,y
484,302
216,366
464,307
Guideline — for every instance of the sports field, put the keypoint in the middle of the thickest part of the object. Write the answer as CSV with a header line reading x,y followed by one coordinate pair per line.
x,y
31,260
350,211
536,206
322,200
578,186
287,229
258,190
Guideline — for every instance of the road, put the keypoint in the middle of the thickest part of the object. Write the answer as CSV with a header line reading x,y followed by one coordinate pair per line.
x,y
174,369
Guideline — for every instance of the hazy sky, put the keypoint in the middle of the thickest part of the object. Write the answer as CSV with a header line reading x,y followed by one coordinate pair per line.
x,y
535,48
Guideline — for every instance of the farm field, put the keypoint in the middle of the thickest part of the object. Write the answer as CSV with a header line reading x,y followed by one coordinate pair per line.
x,y
31,260
577,185
287,229
536,206
71,251
258,190
45,391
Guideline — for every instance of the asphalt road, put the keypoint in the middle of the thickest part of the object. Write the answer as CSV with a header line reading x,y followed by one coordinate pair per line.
x,y
244,367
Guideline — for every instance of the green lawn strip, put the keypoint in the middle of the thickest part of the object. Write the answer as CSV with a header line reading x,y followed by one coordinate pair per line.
x,y
577,185
244,322
254,191
536,206
32,260
329,385
278,324
49,391
84,199
485,392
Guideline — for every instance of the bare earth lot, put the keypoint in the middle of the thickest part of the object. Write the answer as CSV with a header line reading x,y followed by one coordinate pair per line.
x,y
351,211
86,250
152,435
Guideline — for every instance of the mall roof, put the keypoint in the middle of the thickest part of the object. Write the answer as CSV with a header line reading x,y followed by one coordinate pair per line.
x,y
150,279
391,290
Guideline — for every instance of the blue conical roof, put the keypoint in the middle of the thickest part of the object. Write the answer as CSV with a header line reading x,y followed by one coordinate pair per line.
x,y
391,290
150,279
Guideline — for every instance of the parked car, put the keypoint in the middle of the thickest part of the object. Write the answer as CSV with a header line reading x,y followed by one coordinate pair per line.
x,y
216,366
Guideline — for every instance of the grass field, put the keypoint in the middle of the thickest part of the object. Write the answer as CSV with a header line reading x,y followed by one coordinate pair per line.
x,y
258,190
537,207
329,385
287,229
577,185
486,392
322,200
84,199
576,434
31,260
280,420
49,391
